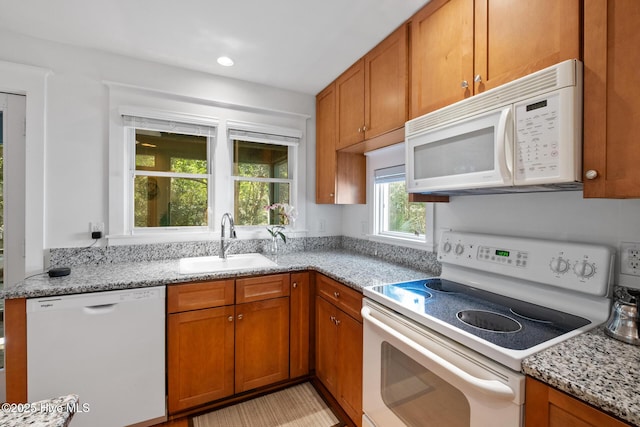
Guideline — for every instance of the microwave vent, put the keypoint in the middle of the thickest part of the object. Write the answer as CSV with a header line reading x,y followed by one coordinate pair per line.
x,y
547,80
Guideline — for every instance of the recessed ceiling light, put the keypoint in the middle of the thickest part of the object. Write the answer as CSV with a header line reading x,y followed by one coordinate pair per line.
x,y
225,61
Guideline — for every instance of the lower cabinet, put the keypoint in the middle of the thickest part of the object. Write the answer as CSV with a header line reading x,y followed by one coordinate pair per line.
x,y
547,406
339,344
226,337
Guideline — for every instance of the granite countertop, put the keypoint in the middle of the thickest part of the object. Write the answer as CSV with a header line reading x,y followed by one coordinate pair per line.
x,y
352,269
592,367
595,368
55,412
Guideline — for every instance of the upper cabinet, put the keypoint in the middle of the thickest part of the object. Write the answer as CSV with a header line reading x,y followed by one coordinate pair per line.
x,y
463,47
372,94
611,106
340,177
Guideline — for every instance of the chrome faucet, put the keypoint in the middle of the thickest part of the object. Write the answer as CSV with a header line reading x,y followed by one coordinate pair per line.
x,y
224,248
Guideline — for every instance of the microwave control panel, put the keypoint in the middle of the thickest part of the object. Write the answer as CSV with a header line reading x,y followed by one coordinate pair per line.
x,y
538,138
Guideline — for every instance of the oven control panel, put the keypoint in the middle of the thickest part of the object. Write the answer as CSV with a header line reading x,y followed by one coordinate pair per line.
x,y
582,267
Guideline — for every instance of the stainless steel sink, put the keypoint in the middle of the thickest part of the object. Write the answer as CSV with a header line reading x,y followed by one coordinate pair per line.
x,y
212,264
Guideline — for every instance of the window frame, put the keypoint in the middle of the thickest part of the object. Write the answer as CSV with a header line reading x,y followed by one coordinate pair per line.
x,y
271,136
385,158
192,125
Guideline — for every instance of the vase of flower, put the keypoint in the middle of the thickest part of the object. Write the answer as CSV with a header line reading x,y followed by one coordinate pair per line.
x,y
285,214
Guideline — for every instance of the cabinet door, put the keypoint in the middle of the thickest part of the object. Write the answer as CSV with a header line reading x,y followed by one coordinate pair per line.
x,y
326,345
199,357
350,105
350,366
516,38
299,301
326,159
547,407
441,55
611,94
262,343
386,85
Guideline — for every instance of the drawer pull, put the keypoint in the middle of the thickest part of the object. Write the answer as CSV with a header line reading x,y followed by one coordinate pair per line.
x,y
336,294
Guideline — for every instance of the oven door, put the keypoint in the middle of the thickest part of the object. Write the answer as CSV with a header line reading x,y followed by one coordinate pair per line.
x,y
416,377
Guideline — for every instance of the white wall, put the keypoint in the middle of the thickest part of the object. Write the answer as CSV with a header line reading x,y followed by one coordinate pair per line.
x,y
77,127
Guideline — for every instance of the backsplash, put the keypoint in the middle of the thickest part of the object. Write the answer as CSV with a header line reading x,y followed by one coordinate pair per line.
x,y
422,260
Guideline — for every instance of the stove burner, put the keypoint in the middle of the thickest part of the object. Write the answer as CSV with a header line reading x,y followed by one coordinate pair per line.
x,y
536,313
489,321
445,286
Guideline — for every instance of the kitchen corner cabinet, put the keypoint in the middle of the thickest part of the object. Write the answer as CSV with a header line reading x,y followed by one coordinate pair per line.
x,y
340,177
463,47
226,337
547,406
339,344
611,94
372,94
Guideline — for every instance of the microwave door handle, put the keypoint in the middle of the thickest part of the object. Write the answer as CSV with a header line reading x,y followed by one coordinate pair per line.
x,y
490,387
505,152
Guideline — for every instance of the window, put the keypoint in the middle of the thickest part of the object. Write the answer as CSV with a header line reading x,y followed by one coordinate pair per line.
x,y
395,216
262,175
170,185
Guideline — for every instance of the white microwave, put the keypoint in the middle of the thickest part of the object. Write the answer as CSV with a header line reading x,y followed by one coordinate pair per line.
x,y
523,136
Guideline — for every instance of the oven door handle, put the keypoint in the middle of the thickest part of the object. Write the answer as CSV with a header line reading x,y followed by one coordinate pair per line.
x,y
490,387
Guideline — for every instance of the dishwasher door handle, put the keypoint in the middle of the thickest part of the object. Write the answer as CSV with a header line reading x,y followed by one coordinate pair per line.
x,y
100,309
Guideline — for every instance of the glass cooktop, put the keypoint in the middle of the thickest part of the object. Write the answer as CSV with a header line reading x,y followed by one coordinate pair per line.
x,y
503,321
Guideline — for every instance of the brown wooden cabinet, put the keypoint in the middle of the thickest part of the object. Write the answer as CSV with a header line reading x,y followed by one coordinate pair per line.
x,y
340,177
216,349
299,333
372,95
339,344
546,406
611,106
463,47
200,343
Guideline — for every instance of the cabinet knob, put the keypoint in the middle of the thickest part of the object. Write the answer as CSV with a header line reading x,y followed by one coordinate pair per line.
x,y
331,194
591,174
477,78
359,130
294,284
240,316
336,294
364,128
464,84
333,319
337,322
230,318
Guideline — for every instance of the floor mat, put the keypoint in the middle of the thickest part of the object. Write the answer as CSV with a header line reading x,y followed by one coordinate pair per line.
x,y
298,406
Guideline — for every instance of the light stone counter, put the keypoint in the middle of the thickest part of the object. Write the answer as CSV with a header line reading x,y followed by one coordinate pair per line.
x,y
55,412
352,269
594,368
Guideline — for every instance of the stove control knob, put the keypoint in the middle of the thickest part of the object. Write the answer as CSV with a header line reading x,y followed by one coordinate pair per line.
x,y
446,248
459,249
559,265
584,269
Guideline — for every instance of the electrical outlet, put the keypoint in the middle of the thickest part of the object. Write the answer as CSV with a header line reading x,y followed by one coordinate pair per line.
x,y
96,226
630,258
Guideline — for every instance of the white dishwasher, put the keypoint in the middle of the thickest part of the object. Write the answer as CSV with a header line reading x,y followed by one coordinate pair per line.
x,y
106,347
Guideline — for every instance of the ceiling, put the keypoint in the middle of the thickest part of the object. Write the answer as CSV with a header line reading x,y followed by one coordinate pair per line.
x,y
300,45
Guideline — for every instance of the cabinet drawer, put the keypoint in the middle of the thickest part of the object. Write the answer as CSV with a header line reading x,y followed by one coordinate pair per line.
x,y
347,299
196,296
262,288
